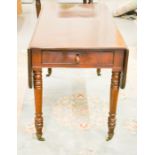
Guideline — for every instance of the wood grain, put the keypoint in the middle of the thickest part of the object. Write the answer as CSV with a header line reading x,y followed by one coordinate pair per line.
x,y
76,36
84,26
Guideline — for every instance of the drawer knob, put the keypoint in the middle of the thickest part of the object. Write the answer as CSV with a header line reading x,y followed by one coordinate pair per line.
x,y
77,59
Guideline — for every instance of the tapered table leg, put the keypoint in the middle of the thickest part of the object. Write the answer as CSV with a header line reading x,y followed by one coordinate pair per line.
x,y
37,77
113,103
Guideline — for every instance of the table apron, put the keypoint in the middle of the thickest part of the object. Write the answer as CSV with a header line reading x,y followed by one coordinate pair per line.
x,y
86,59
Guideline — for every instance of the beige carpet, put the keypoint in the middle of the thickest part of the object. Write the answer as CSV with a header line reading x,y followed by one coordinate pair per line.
x,y
75,111
76,102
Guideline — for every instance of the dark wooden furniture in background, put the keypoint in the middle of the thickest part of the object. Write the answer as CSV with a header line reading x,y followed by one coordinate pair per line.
x,y
76,36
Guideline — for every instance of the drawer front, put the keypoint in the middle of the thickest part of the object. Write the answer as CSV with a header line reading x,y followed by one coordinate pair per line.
x,y
77,59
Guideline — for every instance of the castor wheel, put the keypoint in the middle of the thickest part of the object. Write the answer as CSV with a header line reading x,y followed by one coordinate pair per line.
x,y
49,72
40,138
98,71
110,136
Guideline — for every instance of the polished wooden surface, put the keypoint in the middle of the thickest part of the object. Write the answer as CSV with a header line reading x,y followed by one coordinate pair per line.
x,y
76,36
37,76
77,59
76,26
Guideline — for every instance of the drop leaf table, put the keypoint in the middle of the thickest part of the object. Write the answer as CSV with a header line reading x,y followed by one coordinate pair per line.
x,y
76,36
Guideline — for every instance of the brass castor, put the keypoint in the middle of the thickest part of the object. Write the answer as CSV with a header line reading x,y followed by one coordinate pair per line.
x,y
40,138
98,71
110,136
49,72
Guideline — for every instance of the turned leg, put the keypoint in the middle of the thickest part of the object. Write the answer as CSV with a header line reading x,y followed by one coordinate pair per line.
x,y
113,103
98,71
37,77
38,7
49,72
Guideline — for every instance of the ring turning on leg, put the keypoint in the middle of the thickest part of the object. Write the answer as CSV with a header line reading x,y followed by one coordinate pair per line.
x,y
113,103
37,77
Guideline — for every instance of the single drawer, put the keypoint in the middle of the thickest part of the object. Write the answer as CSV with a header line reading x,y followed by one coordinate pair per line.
x,y
85,59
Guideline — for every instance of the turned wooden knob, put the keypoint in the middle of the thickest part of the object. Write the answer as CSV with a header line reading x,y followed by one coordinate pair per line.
x,y
77,59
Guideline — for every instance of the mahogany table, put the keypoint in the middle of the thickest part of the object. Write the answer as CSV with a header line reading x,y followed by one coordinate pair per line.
x,y
76,36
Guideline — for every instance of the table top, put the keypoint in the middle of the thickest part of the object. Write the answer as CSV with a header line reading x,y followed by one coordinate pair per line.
x,y
76,26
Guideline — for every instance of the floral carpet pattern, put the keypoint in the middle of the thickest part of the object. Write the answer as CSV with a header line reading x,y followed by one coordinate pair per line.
x,y
75,110
76,102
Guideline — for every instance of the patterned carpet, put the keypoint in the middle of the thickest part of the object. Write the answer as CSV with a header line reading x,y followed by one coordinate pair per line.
x,y
75,108
76,102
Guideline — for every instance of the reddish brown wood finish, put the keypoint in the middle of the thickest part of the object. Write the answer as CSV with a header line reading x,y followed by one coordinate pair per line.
x,y
29,68
77,59
38,9
77,27
58,45
113,103
37,76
